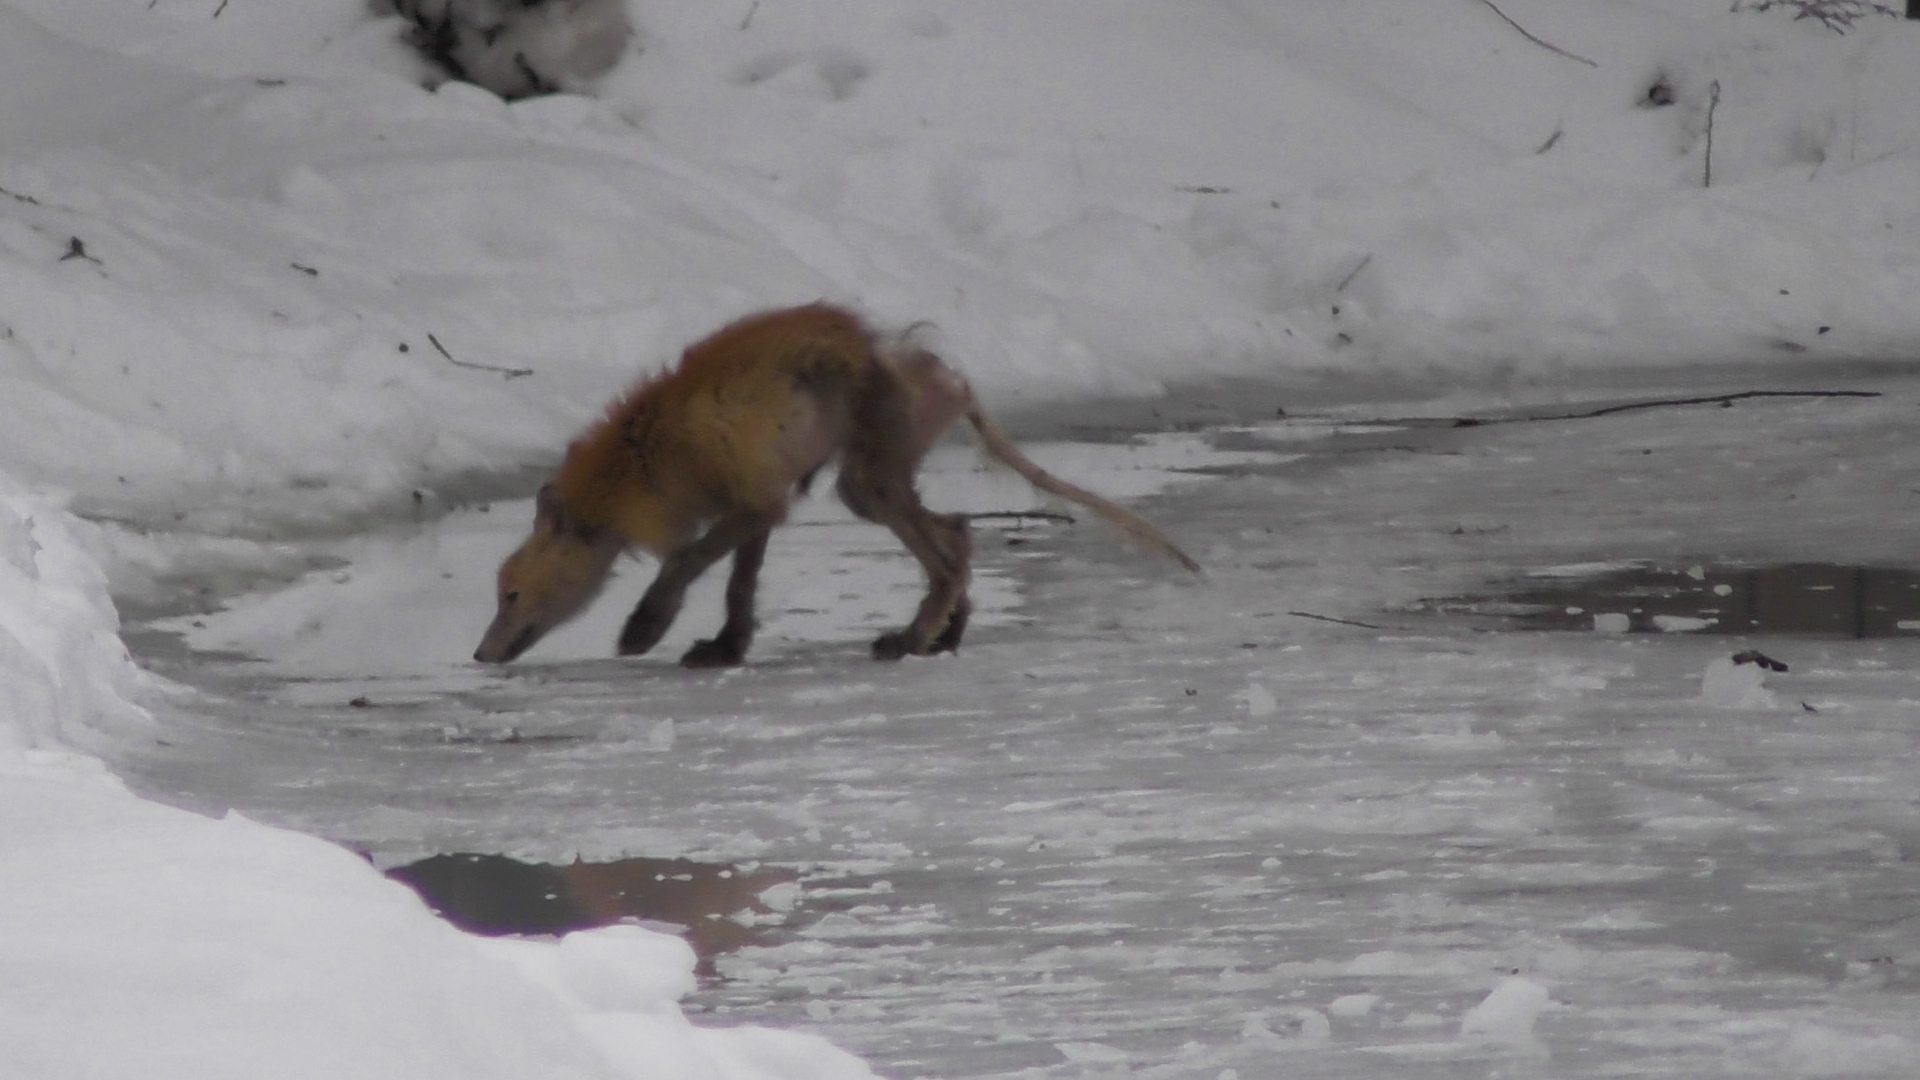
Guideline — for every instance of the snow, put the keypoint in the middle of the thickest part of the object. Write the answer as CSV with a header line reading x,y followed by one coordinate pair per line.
x,y
1611,622
1352,1006
1507,1014
149,941
70,681
280,326
1728,685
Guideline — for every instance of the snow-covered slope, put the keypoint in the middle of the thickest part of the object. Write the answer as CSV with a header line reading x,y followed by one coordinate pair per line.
x,y
141,940
1087,198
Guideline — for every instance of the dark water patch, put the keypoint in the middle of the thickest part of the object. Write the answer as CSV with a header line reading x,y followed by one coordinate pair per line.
x,y
1801,599
496,895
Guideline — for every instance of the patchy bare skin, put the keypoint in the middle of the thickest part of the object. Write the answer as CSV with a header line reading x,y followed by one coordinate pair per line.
x,y
703,461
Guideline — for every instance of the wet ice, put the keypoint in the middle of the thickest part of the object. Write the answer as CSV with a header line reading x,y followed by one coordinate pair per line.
x,y
1181,830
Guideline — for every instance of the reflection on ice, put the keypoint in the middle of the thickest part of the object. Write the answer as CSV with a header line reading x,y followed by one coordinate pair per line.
x,y
715,906
1797,598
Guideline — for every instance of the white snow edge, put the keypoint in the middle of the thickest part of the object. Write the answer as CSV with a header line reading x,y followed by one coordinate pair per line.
x,y
144,940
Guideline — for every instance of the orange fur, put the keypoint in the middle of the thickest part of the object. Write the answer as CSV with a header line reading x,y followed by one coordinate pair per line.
x,y
723,430
702,461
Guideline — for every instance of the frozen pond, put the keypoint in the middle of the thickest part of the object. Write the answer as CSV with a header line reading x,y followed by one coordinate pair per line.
x,y
1146,827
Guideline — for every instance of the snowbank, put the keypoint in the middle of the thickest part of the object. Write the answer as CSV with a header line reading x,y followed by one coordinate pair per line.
x,y
140,940
65,678
302,282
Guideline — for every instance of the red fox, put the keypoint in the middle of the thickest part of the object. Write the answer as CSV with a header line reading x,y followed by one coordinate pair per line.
x,y
703,460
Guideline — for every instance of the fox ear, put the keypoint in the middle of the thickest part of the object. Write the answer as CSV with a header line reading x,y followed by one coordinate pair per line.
x,y
550,513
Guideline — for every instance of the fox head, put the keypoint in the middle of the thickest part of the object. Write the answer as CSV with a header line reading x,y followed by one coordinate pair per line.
x,y
554,574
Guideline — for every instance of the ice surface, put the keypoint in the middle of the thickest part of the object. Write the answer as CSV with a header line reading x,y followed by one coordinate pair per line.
x,y
1075,846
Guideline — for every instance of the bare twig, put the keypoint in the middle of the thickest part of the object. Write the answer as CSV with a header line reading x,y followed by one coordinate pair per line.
x,y
1353,273
1547,45
511,373
77,249
1019,515
1713,102
1661,403
1331,619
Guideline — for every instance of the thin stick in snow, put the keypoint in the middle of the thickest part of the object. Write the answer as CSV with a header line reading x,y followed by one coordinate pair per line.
x,y
77,249
511,373
1547,45
1713,102
1353,273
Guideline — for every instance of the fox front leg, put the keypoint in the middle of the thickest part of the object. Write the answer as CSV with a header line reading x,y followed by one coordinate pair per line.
x,y
660,604
729,646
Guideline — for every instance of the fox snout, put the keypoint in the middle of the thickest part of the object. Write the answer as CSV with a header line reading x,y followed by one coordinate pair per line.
x,y
552,576
504,642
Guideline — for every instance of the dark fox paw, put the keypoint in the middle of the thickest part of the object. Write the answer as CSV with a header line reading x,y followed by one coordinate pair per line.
x,y
900,643
891,646
642,632
714,653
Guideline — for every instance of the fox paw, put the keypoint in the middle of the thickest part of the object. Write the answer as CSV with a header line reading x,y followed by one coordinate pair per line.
x,y
713,653
642,632
900,643
891,646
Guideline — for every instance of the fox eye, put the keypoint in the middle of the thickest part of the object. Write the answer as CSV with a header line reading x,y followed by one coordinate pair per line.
x,y
511,597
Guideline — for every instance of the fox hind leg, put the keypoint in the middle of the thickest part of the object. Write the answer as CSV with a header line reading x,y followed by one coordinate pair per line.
x,y
876,482
943,550
949,639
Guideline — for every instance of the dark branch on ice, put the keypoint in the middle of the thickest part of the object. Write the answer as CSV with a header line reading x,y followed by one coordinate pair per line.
x,y
1331,619
1662,403
1017,516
